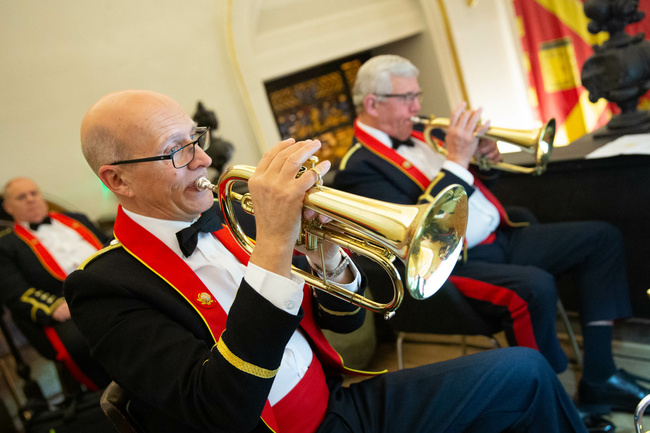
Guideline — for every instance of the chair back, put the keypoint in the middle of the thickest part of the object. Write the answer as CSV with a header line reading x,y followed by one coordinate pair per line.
x,y
114,403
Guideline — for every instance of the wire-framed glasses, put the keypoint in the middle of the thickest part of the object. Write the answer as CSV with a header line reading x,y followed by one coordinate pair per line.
x,y
404,98
180,156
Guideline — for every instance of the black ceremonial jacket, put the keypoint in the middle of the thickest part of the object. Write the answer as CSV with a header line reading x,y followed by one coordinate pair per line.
x,y
154,342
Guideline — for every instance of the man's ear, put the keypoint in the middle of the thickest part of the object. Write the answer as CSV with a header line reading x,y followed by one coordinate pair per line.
x,y
112,178
5,206
370,104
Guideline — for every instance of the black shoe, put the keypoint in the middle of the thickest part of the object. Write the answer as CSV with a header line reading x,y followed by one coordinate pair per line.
x,y
621,391
597,424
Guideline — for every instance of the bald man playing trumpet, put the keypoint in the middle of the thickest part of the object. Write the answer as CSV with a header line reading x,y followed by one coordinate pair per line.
x,y
214,340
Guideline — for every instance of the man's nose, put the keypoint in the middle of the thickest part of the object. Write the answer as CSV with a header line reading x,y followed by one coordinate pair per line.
x,y
201,158
416,106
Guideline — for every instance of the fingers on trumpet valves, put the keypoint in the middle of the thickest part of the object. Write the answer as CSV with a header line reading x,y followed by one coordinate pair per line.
x,y
319,178
318,181
312,161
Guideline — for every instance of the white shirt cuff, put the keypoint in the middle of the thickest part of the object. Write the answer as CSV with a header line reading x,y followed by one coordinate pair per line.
x,y
459,171
284,293
354,285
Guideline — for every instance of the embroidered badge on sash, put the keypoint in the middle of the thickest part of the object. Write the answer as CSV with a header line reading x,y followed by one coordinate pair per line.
x,y
205,300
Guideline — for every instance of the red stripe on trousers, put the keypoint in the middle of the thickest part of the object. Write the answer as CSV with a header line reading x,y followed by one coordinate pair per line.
x,y
63,355
522,326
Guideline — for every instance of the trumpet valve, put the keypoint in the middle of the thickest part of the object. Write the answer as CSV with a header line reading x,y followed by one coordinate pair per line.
x,y
312,161
246,202
311,242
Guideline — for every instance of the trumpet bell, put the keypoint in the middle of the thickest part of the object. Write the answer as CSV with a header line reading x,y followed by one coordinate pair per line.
x,y
437,243
537,141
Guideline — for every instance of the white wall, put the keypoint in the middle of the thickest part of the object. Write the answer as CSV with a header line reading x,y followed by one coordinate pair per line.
x,y
59,57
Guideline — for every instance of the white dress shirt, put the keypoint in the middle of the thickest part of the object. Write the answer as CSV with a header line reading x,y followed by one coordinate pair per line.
x,y
64,244
222,273
483,216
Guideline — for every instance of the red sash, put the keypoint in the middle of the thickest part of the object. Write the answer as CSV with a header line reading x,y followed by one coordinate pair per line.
x,y
296,412
389,154
303,408
43,255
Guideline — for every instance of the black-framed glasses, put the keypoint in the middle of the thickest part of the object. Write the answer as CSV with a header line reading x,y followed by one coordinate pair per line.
x,y
180,156
404,98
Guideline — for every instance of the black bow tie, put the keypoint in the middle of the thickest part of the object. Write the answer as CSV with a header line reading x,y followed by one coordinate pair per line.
x,y
397,142
34,226
208,222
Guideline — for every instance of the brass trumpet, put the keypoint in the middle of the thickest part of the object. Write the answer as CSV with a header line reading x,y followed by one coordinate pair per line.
x,y
537,141
427,237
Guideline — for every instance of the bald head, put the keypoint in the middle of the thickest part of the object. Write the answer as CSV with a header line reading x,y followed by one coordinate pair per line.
x,y
117,121
23,201
142,130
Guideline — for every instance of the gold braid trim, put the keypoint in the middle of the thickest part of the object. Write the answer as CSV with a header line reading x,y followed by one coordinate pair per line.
x,y
348,154
427,194
339,313
49,304
242,365
514,224
113,245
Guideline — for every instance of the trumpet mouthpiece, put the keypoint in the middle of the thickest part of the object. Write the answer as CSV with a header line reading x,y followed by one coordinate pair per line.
x,y
203,183
418,119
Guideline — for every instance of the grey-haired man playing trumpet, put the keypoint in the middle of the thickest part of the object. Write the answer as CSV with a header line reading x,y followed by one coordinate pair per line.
x,y
513,265
211,340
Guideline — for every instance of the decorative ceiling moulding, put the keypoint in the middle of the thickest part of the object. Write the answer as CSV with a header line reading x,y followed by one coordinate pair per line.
x,y
266,43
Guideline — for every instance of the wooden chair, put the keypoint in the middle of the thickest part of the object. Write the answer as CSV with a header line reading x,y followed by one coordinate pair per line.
x,y
115,404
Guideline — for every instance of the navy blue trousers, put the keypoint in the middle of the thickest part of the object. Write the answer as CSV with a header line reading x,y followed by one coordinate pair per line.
x,y
510,389
525,261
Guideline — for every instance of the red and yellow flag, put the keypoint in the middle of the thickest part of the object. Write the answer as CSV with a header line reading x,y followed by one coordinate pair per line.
x,y
556,43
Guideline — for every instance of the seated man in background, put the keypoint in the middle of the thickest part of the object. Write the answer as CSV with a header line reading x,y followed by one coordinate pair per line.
x,y
515,265
204,338
35,257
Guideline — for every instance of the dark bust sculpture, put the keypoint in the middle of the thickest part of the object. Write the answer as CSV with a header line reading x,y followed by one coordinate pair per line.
x,y
619,69
220,150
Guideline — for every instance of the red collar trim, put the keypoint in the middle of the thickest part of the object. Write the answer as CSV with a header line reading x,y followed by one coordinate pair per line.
x,y
390,155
